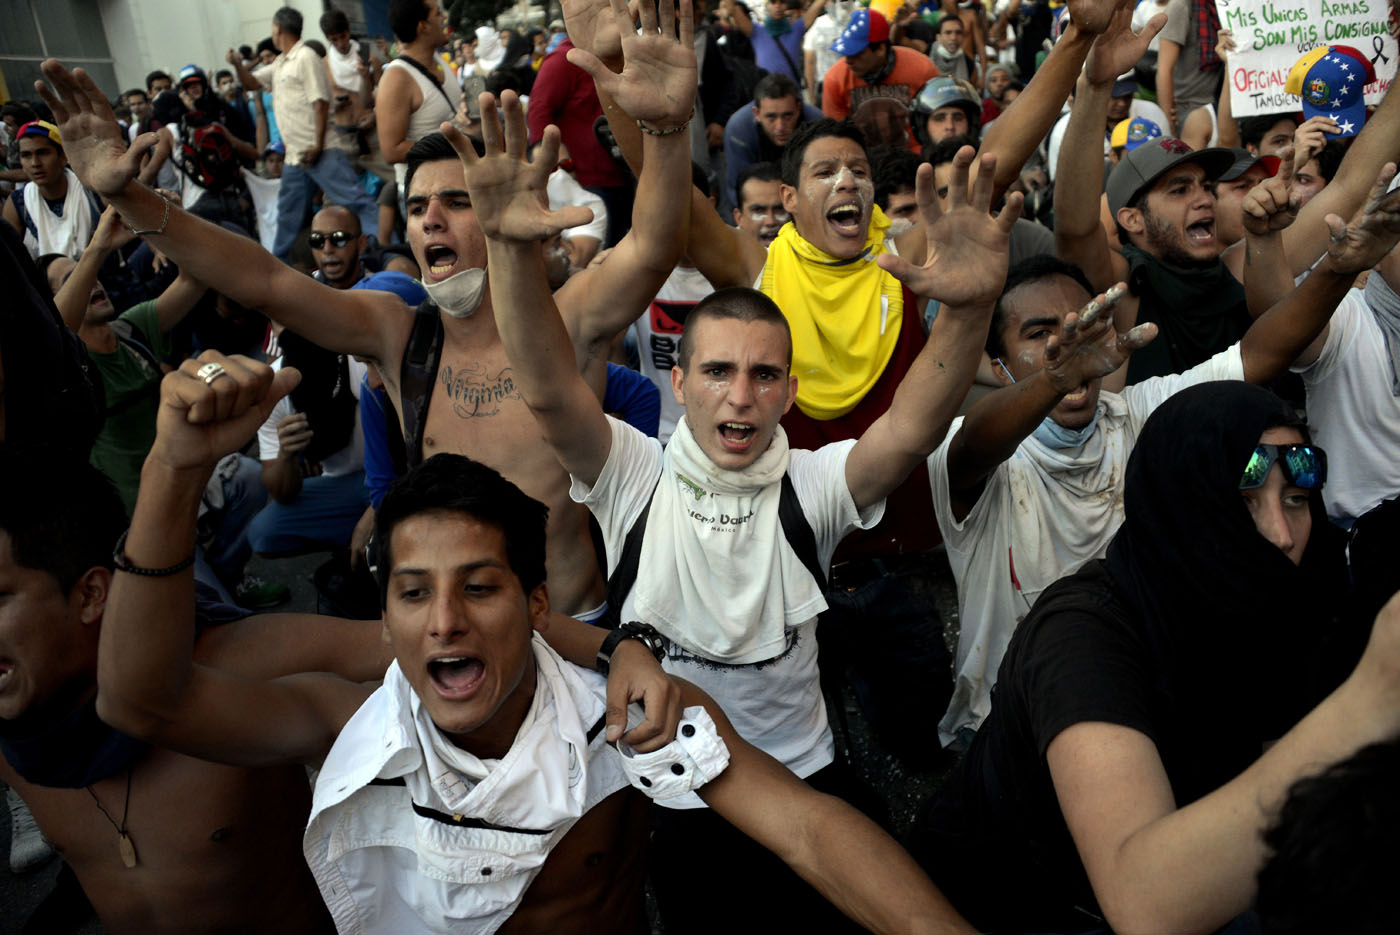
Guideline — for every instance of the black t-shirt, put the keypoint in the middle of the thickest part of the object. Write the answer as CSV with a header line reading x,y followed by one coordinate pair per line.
x,y
995,841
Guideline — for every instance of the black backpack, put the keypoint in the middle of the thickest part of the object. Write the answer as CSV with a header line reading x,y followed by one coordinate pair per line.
x,y
206,153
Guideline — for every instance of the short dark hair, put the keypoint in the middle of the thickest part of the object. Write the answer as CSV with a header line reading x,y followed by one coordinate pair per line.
x,y
288,19
1329,158
815,130
334,21
942,152
136,92
63,516
892,168
245,52
1031,269
1253,129
456,484
738,303
20,111
267,45
432,148
404,17
316,46
48,259
949,18
221,74
776,85
155,76
1333,849
762,171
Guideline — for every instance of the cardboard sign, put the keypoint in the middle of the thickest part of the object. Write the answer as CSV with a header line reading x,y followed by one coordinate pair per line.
x,y
1270,35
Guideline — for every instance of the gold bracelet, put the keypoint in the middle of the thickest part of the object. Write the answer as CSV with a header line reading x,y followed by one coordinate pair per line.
x,y
650,132
164,219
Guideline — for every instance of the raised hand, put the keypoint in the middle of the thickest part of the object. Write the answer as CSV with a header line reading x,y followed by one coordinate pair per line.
x,y
1117,48
1310,137
1269,207
92,139
1373,230
1088,346
111,233
965,264
507,191
657,82
1094,16
206,413
594,29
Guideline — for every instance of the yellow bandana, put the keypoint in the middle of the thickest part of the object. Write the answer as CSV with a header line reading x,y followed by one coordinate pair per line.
x,y
845,317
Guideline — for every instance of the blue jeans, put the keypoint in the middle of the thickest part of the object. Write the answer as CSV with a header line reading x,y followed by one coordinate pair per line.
x,y
224,532
322,516
333,175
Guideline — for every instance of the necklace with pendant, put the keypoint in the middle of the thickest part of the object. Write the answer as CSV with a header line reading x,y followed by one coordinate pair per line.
x,y
125,846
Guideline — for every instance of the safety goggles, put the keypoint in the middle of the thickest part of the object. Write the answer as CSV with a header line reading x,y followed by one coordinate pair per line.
x,y
1303,466
317,240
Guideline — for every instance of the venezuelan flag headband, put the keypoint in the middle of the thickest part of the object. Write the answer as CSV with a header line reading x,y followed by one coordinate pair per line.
x,y
1332,80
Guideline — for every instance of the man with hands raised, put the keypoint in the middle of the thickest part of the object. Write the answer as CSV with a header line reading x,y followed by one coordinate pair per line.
x,y
1028,486
444,368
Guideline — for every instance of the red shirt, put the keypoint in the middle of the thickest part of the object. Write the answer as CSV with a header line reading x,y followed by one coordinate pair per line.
x,y
564,95
881,111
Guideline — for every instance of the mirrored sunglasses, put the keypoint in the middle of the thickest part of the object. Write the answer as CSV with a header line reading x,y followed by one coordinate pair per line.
x,y
317,240
1303,466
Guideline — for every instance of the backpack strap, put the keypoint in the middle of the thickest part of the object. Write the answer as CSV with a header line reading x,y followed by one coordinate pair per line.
x,y
624,576
417,373
796,529
132,338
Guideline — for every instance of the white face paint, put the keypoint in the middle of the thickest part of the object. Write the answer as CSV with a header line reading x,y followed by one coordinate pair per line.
x,y
899,226
460,294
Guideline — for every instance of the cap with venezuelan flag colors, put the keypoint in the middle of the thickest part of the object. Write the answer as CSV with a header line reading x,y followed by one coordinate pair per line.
x,y
40,128
1131,133
1331,81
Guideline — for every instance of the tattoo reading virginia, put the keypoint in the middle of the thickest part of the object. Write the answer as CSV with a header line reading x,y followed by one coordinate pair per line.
x,y
473,393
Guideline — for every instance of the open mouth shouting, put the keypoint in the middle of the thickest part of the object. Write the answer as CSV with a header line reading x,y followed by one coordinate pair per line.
x,y
441,259
847,219
1201,233
456,677
736,436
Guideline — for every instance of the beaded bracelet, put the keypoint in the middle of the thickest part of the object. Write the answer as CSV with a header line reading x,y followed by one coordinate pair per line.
x,y
123,563
650,132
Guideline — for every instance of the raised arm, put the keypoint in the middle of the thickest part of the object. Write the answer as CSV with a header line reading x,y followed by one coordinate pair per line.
x,y
1267,209
846,856
655,89
1283,332
508,195
1306,239
1087,348
1158,868
1079,237
148,682
363,322
964,270
72,297
245,77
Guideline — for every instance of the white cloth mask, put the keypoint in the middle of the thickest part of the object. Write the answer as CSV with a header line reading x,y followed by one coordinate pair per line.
x,y
460,294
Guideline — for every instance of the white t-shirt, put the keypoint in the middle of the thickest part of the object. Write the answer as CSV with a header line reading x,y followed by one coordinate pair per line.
x,y
1042,514
565,192
347,460
1353,414
818,40
264,193
659,337
776,705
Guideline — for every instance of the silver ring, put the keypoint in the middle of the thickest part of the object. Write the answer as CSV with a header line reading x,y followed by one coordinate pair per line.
x,y
211,372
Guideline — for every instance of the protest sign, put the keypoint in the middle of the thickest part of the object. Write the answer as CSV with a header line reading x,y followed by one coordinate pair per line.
x,y
1270,35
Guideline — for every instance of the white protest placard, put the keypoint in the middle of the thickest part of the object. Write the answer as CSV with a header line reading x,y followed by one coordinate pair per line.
x,y
1270,35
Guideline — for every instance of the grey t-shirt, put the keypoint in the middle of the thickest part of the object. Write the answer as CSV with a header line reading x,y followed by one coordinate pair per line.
x,y
1194,88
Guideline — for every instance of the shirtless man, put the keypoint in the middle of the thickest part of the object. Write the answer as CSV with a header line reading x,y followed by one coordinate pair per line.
x,y
160,842
471,402
479,730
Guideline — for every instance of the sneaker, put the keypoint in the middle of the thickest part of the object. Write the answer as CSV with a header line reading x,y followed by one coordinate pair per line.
x,y
253,593
28,849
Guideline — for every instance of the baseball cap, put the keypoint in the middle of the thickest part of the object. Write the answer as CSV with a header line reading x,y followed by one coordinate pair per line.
x,y
191,73
1245,160
39,128
400,284
1138,170
277,147
1125,86
1131,133
1330,80
866,27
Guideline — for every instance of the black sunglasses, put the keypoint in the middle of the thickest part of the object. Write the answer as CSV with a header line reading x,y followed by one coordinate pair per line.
x,y
1303,466
317,240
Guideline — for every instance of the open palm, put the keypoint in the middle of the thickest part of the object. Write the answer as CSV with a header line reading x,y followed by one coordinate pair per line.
x,y
657,82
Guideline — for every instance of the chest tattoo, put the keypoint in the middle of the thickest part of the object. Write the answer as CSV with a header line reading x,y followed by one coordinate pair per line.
x,y
474,392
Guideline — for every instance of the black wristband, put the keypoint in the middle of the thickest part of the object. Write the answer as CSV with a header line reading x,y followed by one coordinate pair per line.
x,y
631,630
123,563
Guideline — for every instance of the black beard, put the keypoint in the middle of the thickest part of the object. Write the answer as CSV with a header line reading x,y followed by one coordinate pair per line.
x,y
1166,244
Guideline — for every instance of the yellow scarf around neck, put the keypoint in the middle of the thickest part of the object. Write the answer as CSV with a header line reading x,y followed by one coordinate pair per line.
x,y
845,317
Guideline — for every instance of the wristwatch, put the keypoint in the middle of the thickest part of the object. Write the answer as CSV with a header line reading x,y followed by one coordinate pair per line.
x,y
631,630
